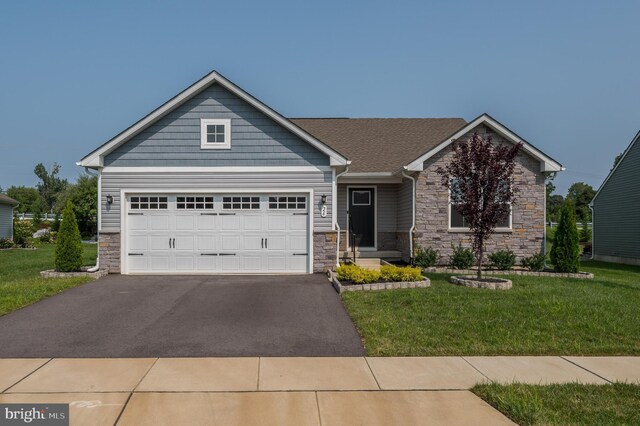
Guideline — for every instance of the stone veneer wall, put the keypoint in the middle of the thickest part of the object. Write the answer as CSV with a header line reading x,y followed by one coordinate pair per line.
x,y
109,251
432,222
324,250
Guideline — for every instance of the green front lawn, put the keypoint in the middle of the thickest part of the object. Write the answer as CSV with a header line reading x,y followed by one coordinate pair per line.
x,y
538,316
20,281
568,404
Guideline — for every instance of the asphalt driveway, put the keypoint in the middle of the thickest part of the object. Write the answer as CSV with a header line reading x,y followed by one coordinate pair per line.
x,y
185,316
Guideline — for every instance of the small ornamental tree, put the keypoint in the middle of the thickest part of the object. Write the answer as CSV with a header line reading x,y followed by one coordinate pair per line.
x,y
565,251
68,243
479,180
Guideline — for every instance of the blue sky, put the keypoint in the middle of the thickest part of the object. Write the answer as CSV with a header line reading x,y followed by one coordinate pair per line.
x,y
564,75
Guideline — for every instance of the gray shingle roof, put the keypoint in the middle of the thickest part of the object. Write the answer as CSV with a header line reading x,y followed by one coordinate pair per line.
x,y
380,144
7,200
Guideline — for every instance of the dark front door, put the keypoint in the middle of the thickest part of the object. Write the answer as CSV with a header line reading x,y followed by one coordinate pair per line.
x,y
362,216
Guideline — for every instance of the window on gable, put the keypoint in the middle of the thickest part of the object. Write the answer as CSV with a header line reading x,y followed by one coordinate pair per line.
x,y
457,220
215,133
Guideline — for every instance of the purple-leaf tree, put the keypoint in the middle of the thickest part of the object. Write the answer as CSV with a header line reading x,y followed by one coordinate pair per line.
x,y
479,181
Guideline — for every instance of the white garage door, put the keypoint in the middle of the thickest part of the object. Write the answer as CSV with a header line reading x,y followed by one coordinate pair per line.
x,y
217,233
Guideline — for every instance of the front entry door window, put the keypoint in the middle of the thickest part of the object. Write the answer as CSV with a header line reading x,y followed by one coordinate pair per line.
x,y
362,216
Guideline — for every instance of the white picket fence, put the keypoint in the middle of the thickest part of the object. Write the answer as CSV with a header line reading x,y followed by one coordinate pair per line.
x,y
48,217
555,224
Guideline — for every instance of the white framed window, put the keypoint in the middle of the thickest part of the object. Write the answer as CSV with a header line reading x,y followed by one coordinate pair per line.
x,y
194,203
287,203
215,133
148,203
458,222
241,203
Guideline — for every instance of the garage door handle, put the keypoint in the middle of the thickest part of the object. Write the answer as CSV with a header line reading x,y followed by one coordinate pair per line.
x,y
208,214
208,254
135,214
262,243
226,254
169,242
266,244
174,243
136,254
227,214
301,254
300,214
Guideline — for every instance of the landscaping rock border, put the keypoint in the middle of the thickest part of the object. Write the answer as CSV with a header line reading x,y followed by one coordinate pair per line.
x,y
52,273
473,282
444,270
340,288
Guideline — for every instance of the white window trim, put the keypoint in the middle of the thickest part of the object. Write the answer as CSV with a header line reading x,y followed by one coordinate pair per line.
x,y
466,229
204,122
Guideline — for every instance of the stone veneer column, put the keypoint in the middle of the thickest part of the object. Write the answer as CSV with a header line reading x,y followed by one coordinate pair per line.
x,y
109,251
324,250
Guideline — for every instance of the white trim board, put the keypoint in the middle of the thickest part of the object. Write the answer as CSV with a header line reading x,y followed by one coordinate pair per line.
x,y
547,164
220,169
624,154
95,158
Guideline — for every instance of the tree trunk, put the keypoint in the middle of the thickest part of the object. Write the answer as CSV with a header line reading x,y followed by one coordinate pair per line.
x,y
479,259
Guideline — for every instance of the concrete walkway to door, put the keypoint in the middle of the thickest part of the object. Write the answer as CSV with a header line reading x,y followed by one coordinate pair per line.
x,y
296,391
185,316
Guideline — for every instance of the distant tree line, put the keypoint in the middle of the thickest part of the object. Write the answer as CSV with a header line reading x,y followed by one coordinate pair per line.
x,y
51,194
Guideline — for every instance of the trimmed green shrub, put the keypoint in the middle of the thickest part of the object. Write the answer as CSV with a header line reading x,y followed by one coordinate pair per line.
x,y
462,258
395,273
533,263
68,244
22,232
565,251
503,259
6,243
585,233
55,225
356,274
426,257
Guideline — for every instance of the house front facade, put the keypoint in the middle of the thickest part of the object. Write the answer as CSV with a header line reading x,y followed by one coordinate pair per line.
x,y
7,204
616,209
215,181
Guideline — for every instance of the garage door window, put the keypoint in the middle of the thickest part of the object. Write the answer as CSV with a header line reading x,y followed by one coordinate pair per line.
x,y
192,203
287,203
148,203
241,203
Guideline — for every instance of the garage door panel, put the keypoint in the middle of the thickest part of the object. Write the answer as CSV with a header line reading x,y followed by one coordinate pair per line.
x,y
230,223
298,223
252,222
230,242
158,223
137,222
298,243
206,222
184,263
185,242
276,222
206,243
194,239
158,263
185,222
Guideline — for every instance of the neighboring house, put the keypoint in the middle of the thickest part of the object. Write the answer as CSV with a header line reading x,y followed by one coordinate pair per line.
x,y
215,181
7,204
616,211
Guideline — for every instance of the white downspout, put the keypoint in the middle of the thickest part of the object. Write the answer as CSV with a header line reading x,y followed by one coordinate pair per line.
x,y
413,212
99,174
334,211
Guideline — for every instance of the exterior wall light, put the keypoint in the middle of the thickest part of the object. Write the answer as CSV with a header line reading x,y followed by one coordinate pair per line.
x,y
109,199
323,199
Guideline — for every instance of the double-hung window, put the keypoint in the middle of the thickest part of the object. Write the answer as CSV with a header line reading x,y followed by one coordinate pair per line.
x,y
215,133
457,221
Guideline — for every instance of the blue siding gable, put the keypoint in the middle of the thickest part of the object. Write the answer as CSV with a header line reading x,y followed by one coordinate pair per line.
x,y
256,140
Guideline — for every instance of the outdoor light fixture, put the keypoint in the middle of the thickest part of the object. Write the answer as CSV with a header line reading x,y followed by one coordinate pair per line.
x,y
109,199
323,198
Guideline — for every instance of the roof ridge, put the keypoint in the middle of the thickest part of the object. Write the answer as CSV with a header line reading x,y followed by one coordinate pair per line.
x,y
376,118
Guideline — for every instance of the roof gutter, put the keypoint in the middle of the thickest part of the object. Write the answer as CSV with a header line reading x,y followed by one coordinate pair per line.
x,y
413,212
335,209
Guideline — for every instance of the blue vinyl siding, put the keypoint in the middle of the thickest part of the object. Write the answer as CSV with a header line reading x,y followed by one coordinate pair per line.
x,y
174,140
6,221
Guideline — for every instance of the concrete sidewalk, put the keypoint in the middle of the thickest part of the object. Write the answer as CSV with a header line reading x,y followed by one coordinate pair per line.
x,y
315,391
